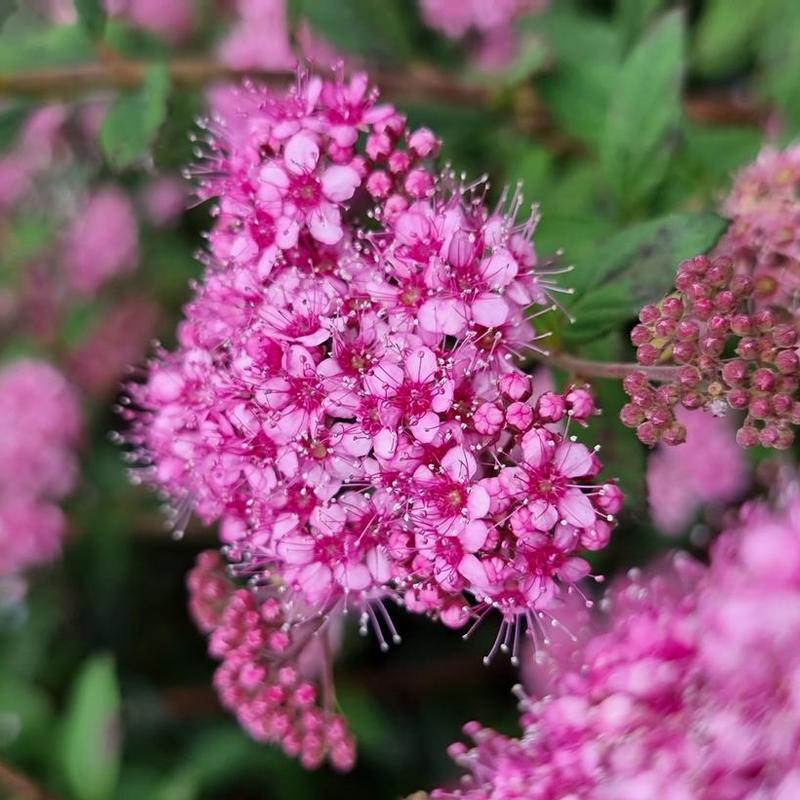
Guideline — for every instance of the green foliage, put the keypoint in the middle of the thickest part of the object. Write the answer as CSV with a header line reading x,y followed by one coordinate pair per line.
x,y
132,122
378,29
644,116
92,15
92,733
634,267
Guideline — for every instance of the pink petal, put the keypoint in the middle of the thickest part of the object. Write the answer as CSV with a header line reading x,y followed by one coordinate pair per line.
x,y
443,396
544,515
459,464
489,310
473,570
474,536
301,154
573,569
324,224
536,447
421,364
339,182
411,228
576,508
447,315
286,232
479,502
385,443
426,428
314,578
385,379
499,269
572,459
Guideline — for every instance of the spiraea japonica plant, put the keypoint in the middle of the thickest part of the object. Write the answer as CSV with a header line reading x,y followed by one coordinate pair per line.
x,y
347,396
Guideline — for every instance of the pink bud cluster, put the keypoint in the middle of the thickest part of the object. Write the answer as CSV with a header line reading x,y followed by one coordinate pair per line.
x,y
763,239
727,355
346,395
688,689
40,424
261,676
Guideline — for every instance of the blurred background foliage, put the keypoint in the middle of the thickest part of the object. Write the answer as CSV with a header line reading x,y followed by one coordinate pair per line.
x,y
624,119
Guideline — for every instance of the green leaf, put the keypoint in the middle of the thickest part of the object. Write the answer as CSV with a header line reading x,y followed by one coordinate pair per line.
x,y
578,90
780,53
7,8
11,120
57,45
642,258
633,16
725,40
25,717
92,15
132,122
374,28
91,750
644,118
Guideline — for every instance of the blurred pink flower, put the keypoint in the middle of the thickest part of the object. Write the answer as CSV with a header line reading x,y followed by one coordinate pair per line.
x,y
102,240
118,340
493,20
708,468
687,689
259,38
172,19
40,424
164,200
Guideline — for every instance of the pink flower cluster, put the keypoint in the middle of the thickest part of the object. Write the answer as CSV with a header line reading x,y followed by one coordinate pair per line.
x,y
688,690
763,239
40,424
684,478
493,20
726,355
346,397
261,677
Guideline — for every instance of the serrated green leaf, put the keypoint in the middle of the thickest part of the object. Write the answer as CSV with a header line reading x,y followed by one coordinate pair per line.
x,y
644,118
92,15
132,122
374,28
91,748
642,258
577,90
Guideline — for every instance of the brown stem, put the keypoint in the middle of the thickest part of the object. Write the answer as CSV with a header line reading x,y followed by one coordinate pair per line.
x,y
19,786
418,81
586,368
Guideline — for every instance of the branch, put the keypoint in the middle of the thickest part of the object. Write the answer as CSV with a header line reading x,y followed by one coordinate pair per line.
x,y
601,369
419,81
20,786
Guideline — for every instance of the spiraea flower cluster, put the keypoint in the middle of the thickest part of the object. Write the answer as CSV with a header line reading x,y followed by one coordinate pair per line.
x,y
687,689
41,424
731,325
763,239
729,355
346,395
269,669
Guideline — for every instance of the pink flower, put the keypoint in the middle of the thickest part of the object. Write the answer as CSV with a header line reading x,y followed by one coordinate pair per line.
x,y
708,468
102,241
295,193
40,425
685,689
174,20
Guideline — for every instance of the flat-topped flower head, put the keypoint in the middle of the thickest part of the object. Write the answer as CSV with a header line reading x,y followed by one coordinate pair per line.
x,y
347,393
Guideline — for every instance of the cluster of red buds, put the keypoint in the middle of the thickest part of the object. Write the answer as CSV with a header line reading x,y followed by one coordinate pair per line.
x,y
724,354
